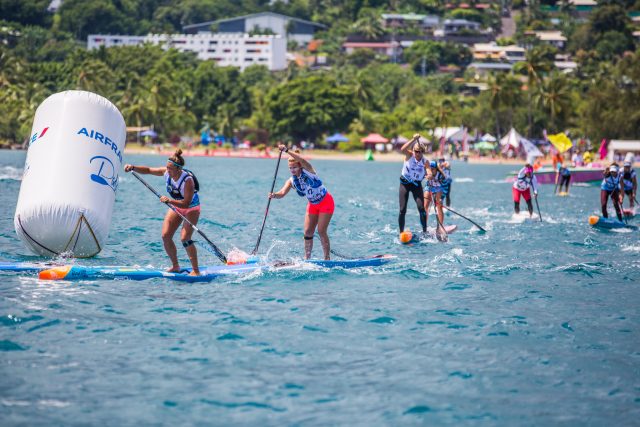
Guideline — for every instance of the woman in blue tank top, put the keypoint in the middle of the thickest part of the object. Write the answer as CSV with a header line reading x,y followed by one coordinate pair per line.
x,y
613,187
181,186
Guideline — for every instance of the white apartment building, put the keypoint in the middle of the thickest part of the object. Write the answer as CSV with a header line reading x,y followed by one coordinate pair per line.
x,y
229,49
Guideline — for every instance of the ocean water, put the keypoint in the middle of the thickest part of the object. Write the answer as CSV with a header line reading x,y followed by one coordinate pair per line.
x,y
531,323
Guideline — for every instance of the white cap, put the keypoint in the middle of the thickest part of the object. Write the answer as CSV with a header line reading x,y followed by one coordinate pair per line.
x,y
613,168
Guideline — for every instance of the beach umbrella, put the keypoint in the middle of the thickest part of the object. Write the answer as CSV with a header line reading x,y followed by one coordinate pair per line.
x,y
149,132
337,137
485,145
374,138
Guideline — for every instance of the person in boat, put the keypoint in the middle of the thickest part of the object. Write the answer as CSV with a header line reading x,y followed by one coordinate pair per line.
x,y
630,183
612,186
446,184
413,172
435,177
182,187
320,206
563,177
524,183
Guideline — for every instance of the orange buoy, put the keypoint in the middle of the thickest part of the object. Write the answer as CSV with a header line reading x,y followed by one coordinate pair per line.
x,y
55,273
406,236
593,219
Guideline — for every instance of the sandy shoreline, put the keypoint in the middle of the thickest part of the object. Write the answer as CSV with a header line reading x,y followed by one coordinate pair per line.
x,y
309,154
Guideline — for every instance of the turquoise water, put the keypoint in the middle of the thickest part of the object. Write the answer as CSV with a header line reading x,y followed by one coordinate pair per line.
x,y
530,323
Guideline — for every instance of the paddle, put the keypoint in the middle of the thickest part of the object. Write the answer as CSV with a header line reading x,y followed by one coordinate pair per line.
x,y
555,190
266,212
462,216
443,237
216,250
538,206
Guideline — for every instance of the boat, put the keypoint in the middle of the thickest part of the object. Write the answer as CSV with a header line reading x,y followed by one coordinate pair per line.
x,y
547,175
207,274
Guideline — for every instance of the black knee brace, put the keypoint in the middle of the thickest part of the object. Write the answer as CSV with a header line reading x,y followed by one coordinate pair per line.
x,y
187,243
308,238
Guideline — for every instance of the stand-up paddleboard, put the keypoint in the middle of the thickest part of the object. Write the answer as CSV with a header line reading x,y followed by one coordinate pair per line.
x,y
519,218
629,213
408,237
207,274
563,194
609,223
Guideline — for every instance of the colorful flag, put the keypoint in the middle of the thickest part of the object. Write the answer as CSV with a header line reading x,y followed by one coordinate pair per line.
x,y
560,141
603,150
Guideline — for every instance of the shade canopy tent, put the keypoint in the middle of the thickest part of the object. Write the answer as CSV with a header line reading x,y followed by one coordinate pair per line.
x,y
446,132
520,144
488,137
337,137
460,136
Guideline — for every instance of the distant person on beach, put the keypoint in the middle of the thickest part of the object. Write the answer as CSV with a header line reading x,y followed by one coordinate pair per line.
x,y
612,186
563,177
435,178
182,186
446,184
525,181
630,181
413,172
320,206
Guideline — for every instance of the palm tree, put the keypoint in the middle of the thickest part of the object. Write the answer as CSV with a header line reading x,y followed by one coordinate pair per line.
x,y
534,65
363,91
369,26
443,113
554,97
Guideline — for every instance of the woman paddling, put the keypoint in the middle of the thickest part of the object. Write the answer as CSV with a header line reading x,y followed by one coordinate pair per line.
x,y
413,171
612,186
435,179
524,181
182,187
320,204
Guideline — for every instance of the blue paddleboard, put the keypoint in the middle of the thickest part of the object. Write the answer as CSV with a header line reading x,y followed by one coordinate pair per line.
x,y
207,274
608,223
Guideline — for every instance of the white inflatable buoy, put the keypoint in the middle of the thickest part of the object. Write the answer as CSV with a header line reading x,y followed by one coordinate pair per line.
x,y
70,175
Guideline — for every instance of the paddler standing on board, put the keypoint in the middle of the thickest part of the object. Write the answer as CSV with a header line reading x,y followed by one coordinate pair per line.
x,y
525,181
182,187
630,181
435,179
446,184
413,172
320,204
563,178
612,186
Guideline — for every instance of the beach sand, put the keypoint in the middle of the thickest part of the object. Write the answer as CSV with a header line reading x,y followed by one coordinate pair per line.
x,y
309,154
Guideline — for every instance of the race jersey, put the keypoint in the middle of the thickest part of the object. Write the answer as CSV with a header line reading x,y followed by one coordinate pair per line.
x,y
436,182
413,170
176,188
564,171
611,183
447,177
310,186
523,182
627,178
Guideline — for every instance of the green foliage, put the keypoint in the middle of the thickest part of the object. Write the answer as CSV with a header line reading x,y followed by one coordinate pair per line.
x,y
310,106
433,54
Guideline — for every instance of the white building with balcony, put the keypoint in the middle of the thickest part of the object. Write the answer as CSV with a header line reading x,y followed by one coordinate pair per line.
x,y
229,49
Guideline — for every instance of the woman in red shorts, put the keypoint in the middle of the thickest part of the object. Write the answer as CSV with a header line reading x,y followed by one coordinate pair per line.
x,y
320,207
524,181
